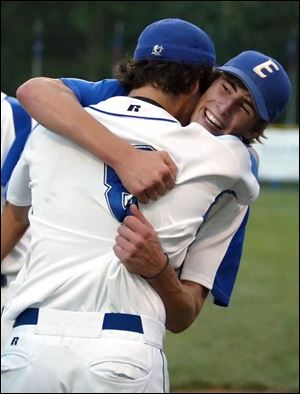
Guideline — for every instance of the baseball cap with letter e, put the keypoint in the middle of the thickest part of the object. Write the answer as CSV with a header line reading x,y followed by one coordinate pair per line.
x,y
175,40
266,80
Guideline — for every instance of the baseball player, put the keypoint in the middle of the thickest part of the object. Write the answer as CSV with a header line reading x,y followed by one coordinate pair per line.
x,y
16,125
214,256
135,309
138,337
85,132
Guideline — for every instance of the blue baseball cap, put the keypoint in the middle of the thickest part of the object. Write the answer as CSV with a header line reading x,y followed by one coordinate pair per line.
x,y
175,40
266,80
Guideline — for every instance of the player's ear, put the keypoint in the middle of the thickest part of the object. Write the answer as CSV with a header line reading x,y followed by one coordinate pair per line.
x,y
195,87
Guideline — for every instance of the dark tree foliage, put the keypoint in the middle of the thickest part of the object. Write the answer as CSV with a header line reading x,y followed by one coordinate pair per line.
x,y
84,39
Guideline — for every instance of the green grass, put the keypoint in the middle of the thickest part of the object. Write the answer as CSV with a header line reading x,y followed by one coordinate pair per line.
x,y
252,344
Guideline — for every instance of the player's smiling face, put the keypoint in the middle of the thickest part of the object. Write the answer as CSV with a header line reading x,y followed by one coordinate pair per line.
x,y
225,108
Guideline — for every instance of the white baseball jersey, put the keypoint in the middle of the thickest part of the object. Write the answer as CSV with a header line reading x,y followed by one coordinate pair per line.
x,y
14,120
78,202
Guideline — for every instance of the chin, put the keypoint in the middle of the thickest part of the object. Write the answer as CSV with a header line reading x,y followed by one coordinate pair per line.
x,y
184,121
215,132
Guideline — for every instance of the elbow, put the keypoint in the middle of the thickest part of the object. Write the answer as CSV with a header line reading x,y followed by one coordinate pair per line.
x,y
181,323
29,92
179,326
176,330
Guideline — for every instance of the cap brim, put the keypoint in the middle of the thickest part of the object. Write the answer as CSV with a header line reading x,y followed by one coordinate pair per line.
x,y
253,89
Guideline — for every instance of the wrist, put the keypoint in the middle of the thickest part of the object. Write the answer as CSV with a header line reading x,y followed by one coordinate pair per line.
x,y
165,266
120,151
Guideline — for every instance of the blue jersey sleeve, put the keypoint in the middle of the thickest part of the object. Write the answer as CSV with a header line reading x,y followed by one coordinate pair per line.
x,y
89,93
227,272
22,124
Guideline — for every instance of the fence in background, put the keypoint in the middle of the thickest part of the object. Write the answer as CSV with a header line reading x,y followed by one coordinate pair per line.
x,y
279,155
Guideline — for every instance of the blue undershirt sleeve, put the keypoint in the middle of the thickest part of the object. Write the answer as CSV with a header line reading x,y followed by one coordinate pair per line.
x,y
89,93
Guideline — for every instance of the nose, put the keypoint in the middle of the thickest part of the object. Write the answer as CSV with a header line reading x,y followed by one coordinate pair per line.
x,y
226,106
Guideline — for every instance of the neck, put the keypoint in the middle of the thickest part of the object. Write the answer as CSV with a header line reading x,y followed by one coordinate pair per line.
x,y
171,103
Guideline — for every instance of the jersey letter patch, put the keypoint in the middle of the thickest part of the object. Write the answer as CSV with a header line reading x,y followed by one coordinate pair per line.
x,y
267,67
134,108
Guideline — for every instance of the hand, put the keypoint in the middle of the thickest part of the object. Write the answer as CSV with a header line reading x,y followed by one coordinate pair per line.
x,y
147,174
138,246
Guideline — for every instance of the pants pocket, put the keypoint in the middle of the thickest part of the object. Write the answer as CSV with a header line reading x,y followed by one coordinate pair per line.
x,y
13,360
121,377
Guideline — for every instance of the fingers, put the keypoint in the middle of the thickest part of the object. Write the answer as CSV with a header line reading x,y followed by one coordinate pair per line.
x,y
120,253
125,230
158,189
135,225
169,182
128,240
122,242
142,197
169,178
171,164
138,214
159,180
150,194
153,194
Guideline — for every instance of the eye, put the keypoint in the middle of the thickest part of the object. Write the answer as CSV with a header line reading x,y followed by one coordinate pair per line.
x,y
225,87
246,108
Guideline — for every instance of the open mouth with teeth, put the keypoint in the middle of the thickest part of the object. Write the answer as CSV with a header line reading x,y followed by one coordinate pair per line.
x,y
211,119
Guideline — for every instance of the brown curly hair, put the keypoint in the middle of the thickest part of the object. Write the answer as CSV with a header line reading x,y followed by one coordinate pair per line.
x,y
177,78
169,77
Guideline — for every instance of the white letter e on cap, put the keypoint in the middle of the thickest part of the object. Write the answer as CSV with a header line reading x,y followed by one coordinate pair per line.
x,y
267,66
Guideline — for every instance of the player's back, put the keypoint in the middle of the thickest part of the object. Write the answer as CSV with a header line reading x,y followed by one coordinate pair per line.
x,y
76,197
78,203
207,166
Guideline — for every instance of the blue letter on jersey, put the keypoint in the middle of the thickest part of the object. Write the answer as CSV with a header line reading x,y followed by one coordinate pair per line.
x,y
117,197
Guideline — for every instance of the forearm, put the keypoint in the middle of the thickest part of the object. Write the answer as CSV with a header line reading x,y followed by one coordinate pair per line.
x,y
183,300
146,175
139,249
12,229
55,106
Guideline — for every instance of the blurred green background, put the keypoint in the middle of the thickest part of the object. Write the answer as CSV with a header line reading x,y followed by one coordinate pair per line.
x,y
85,38
253,344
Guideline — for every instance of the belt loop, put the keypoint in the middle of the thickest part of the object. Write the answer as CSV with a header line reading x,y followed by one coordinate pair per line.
x,y
3,280
29,316
122,321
